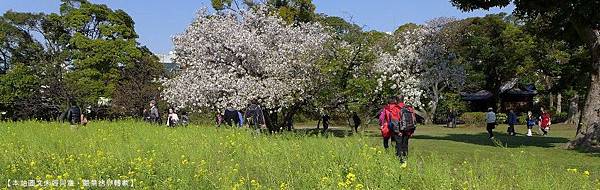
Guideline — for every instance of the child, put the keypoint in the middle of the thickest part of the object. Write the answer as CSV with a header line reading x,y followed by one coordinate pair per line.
x,y
530,123
185,119
544,121
172,118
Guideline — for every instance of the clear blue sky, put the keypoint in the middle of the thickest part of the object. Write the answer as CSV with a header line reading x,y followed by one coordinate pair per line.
x,y
157,20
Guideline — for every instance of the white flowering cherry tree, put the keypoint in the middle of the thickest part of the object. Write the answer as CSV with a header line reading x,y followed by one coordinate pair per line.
x,y
233,57
421,69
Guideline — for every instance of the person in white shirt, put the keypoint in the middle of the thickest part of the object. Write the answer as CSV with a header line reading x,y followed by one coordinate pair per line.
x,y
490,118
172,118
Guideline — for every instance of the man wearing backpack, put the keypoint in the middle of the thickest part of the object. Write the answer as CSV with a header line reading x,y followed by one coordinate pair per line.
x,y
74,115
544,121
407,128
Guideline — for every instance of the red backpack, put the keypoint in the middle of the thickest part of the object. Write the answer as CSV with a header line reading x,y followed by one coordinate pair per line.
x,y
384,121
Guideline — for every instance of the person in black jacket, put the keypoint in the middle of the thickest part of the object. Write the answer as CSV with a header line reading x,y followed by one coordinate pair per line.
x,y
356,120
74,114
256,117
452,118
512,121
325,118
231,116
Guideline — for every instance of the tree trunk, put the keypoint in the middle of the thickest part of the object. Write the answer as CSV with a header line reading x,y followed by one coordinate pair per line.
x,y
288,117
559,103
431,114
588,137
423,114
574,112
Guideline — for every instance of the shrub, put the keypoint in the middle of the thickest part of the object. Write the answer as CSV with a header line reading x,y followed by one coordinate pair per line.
x,y
522,120
476,119
448,100
559,117
501,118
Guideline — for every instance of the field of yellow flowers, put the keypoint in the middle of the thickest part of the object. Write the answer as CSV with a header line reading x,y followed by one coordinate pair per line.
x,y
130,154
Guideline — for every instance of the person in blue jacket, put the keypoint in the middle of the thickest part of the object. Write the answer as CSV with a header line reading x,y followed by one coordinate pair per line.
x,y
512,121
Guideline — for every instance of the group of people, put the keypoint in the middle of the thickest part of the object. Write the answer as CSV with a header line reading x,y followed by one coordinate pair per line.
x,y
397,122
543,121
356,122
173,119
252,115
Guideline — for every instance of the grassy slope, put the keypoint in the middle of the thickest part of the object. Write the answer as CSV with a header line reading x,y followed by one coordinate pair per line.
x,y
208,158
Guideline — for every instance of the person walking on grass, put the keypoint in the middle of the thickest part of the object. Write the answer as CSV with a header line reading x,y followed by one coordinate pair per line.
x,y
153,117
255,116
530,123
185,119
490,118
545,121
396,129
451,118
231,116
356,121
407,127
74,115
241,119
387,117
219,119
172,118
512,121
325,118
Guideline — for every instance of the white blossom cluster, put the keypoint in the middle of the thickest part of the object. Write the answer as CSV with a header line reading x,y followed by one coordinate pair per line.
x,y
420,68
234,57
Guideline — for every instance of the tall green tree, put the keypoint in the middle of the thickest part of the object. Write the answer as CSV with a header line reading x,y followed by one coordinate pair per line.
x,y
291,11
77,53
101,41
347,67
137,85
495,52
561,18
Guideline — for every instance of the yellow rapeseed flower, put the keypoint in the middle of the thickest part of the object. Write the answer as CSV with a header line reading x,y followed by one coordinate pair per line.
x,y
574,170
359,186
341,184
283,186
351,177
586,173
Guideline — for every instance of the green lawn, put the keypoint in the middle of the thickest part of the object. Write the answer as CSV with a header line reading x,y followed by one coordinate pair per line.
x,y
202,157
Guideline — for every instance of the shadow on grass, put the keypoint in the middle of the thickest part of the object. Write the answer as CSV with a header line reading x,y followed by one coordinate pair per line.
x,y
335,132
502,140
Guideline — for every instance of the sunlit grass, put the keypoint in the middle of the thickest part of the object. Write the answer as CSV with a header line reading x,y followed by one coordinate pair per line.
x,y
203,157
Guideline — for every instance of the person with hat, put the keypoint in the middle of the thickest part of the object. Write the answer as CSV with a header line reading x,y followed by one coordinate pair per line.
x,y
490,118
